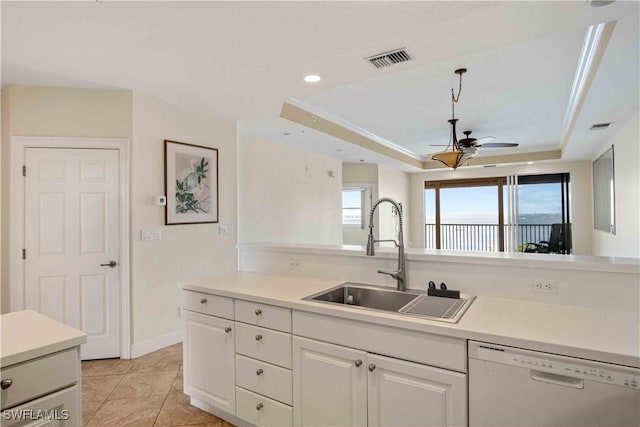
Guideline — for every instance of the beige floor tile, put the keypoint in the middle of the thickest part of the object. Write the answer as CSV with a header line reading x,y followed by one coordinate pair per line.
x,y
94,368
218,424
178,385
160,361
88,410
143,385
128,412
97,389
177,411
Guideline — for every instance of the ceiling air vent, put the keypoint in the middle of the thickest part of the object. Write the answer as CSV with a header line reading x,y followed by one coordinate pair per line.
x,y
599,126
389,58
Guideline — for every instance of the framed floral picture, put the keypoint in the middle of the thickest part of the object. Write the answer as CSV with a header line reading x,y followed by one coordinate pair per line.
x,y
191,183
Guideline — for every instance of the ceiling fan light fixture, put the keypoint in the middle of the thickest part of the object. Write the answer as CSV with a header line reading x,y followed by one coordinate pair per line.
x,y
451,159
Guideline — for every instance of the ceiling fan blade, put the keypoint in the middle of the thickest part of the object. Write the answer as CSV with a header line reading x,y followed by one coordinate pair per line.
x,y
439,145
498,145
486,139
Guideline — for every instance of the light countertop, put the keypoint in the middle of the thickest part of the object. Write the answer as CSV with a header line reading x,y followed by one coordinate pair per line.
x,y
27,335
602,335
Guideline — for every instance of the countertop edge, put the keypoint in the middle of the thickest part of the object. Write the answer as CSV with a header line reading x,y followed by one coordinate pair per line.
x,y
16,358
421,325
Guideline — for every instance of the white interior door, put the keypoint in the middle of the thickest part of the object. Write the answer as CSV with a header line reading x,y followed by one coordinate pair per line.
x,y
72,242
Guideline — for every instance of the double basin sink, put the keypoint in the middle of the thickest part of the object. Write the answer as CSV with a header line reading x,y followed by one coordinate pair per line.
x,y
389,300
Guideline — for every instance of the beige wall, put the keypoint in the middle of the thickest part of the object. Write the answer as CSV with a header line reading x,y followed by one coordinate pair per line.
x,y
285,194
363,175
396,185
626,152
581,207
185,251
50,111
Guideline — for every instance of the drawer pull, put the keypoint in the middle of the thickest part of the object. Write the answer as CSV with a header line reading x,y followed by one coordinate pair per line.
x,y
227,329
259,406
259,371
258,337
203,301
258,312
358,363
372,367
5,384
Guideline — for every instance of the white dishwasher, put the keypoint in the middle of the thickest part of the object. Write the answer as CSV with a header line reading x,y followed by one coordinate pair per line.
x,y
514,387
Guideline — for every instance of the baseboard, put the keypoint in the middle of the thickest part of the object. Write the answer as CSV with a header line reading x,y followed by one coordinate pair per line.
x,y
157,343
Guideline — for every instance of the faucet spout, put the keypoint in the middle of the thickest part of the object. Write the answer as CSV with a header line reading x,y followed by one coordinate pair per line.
x,y
400,274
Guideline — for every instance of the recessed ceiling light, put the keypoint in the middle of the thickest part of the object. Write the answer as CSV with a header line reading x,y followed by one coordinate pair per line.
x,y
529,163
312,78
599,126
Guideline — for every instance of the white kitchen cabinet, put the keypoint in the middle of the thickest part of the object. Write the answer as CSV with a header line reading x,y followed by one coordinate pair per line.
x,y
402,393
340,386
329,384
209,360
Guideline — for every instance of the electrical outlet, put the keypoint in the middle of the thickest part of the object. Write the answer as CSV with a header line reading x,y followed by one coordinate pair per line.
x,y
294,264
547,286
179,312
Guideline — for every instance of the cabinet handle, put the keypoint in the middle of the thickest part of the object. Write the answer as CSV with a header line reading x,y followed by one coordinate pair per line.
x,y
358,363
259,371
258,312
203,301
258,337
5,384
227,329
372,367
259,406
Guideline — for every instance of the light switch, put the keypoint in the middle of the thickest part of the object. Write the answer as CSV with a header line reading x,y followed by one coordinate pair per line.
x,y
225,230
151,234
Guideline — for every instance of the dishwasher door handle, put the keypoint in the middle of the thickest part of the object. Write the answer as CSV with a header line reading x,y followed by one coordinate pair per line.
x,y
561,380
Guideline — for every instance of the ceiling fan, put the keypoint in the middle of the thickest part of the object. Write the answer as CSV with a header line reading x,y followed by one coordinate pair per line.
x,y
467,147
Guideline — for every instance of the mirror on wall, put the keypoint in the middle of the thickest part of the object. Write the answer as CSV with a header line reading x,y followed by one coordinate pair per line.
x,y
604,193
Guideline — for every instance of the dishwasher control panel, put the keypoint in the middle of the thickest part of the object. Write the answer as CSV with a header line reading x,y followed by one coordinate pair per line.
x,y
556,364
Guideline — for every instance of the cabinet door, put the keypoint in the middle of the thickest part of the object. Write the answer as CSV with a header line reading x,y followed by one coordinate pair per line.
x,y
329,385
209,362
408,394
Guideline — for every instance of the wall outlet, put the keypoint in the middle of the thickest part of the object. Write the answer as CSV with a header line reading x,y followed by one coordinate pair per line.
x,y
179,311
548,286
225,230
294,264
151,234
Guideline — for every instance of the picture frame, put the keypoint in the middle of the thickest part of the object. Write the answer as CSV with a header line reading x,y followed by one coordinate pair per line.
x,y
191,183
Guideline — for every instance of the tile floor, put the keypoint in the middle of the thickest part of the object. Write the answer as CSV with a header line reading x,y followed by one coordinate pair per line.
x,y
146,391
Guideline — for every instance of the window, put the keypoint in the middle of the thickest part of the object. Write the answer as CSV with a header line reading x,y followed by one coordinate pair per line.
x,y
352,207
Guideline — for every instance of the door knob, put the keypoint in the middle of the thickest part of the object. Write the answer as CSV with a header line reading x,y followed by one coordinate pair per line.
x,y
258,337
5,384
372,367
227,329
259,371
358,363
258,312
259,406
111,264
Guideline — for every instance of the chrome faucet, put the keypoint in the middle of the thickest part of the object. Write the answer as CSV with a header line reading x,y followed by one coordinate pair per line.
x,y
400,275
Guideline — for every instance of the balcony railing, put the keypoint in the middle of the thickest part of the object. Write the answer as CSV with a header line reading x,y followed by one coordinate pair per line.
x,y
481,237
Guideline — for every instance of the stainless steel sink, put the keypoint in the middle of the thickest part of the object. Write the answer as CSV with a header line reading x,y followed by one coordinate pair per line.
x,y
385,299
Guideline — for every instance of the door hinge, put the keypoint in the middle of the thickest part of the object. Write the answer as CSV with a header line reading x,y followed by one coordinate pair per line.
x,y
24,170
24,254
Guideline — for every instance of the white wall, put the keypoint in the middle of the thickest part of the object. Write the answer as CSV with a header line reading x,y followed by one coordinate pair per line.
x,y
626,241
285,194
396,185
185,251
581,195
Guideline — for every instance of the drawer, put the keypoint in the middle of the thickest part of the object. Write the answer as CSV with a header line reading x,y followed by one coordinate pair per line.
x,y
268,316
40,376
261,411
264,344
207,304
264,378
68,400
